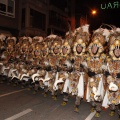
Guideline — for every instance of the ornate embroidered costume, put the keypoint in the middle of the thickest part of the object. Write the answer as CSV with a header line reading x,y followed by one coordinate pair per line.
x,y
112,97
77,76
95,63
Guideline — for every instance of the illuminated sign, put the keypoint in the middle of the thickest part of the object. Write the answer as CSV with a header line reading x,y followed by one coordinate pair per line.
x,y
111,5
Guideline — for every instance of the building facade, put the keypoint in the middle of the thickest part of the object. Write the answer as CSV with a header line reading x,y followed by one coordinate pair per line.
x,y
38,17
9,17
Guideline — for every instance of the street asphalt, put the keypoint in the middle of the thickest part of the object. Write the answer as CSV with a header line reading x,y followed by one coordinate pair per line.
x,y
18,103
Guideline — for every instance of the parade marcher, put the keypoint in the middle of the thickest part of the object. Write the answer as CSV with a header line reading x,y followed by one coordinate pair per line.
x,y
24,42
95,62
2,49
36,55
8,56
44,64
2,43
65,67
52,63
112,96
77,78
24,47
10,49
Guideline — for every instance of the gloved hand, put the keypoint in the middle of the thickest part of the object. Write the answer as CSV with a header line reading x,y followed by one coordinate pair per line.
x,y
118,75
48,68
81,66
90,73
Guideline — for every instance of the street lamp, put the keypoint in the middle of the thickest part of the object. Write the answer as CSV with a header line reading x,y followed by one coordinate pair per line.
x,y
84,19
93,12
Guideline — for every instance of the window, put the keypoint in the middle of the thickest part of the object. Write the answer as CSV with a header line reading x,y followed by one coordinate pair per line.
x,y
7,8
23,18
61,4
37,19
58,20
44,1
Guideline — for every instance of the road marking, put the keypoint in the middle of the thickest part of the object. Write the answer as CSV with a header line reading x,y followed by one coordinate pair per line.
x,y
55,108
19,114
90,116
11,93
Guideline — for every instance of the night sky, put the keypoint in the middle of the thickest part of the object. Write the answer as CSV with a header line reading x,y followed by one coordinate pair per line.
x,y
109,15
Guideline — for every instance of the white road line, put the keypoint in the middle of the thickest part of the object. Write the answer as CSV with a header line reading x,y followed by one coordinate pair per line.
x,y
55,108
11,93
90,116
19,114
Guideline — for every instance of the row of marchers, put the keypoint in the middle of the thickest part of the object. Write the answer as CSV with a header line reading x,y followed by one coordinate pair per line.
x,y
81,64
